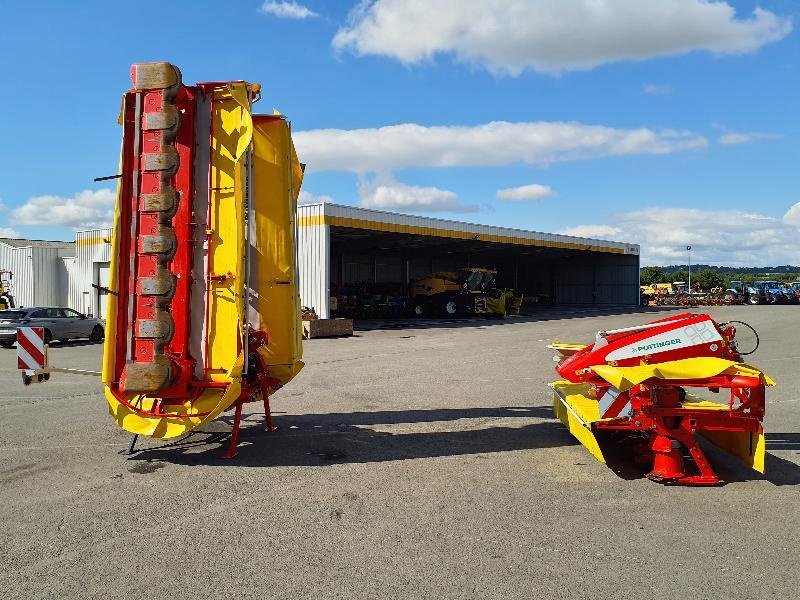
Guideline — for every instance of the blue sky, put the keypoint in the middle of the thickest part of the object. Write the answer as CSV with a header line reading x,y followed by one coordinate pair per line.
x,y
663,122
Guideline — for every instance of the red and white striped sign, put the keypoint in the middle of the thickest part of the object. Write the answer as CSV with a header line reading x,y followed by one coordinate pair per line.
x,y
30,348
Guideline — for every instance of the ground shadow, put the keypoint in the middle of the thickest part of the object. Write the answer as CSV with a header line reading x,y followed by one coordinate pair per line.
x,y
779,470
73,343
322,439
528,316
357,437
783,441
70,344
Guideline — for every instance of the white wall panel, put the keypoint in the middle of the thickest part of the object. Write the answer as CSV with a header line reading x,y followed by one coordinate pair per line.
x,y
313,260
92,248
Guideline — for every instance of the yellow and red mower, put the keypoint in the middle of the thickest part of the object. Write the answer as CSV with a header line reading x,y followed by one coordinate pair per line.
x,y
203,310
642,381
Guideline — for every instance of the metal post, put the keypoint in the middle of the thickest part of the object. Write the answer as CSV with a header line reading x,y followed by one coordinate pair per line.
x,y
130,446
689,250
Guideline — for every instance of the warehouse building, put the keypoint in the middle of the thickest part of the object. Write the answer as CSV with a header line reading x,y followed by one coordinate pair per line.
x,y
39,271
343,248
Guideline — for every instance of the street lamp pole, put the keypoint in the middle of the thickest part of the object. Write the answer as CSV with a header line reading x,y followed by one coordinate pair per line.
x,y
689,250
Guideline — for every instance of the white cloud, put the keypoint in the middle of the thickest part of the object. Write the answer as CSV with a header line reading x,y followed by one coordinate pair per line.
x,y
87,209
726,237
8,232
534,191
742,138
598,232
287,10
651,89
385,193
552,36
491,144
792,216
309,198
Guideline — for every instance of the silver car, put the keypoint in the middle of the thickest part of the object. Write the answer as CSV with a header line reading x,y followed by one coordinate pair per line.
x,y
59,324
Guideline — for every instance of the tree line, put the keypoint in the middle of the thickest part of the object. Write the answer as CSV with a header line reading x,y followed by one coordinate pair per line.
x,y
709,277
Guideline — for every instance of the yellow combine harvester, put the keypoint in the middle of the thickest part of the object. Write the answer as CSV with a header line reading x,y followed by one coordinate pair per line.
x,y
469,291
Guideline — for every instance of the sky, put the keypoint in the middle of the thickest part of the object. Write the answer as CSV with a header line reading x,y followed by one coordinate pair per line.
x,y
665,123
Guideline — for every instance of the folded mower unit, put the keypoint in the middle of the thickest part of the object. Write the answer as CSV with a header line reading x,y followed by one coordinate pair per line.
x,y
642,381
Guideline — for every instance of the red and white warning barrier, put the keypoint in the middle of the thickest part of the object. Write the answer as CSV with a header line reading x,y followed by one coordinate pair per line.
x,y
32,357
31,353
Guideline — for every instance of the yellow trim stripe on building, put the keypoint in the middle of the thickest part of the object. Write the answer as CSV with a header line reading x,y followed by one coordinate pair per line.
x,y
446,233
80,241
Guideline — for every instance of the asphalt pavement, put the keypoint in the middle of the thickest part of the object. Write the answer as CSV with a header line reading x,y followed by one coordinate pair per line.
x,y
410,461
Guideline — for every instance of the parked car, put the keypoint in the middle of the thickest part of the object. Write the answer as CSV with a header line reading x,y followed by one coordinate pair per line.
x,y
58,323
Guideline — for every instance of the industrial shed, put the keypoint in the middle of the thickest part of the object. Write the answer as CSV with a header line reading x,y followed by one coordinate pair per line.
x,y
342,246
41,270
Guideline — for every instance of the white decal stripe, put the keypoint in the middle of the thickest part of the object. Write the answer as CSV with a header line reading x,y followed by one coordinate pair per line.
x,y
607,399
27,359
663,342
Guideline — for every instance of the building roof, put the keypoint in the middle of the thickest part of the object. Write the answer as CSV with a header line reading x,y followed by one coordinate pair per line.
x,y
23,243
339,215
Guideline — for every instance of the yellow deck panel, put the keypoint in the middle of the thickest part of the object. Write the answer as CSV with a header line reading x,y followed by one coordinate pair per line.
x,y
624,378
577,412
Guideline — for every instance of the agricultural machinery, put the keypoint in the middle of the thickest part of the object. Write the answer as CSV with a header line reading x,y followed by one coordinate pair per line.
x,y
741,293
642,384
773,292
203,312
6,296
468,291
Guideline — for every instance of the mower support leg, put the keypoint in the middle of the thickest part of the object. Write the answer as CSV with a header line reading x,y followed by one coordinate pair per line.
x,y
130,446
263,384
233,449
686,436
268,426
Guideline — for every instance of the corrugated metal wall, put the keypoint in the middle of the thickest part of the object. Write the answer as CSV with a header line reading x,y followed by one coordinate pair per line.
x,y
18,261
70,270
48,276
40,277
93,248
597,280
313,261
